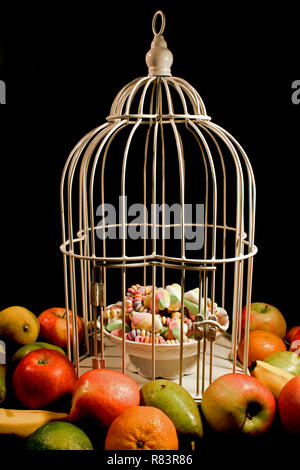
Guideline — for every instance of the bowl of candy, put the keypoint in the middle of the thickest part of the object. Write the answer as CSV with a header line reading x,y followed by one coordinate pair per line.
x,y
165,328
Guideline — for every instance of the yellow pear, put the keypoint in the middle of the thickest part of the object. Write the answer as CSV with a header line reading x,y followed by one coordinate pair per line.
x,y
19,325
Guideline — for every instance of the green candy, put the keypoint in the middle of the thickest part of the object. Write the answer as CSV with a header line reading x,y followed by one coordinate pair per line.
x,y
192,307
164,331
117,325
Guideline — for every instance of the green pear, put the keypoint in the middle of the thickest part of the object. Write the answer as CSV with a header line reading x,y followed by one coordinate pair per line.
x,y
287,360
176,402
27,348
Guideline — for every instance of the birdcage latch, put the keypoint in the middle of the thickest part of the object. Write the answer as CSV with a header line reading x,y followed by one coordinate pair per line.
x,y
207,328
199,330
97,293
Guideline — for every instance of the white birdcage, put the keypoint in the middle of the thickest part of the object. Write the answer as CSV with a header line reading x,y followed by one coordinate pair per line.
x,y
158,149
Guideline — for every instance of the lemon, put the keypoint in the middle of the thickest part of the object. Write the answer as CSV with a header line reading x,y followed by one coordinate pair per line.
x,y
58,435
19,325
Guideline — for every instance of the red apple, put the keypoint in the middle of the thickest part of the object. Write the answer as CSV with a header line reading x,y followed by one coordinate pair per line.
x,y
101,395
238,402
42,377
289,405
292,333
265,317
295,344
53,326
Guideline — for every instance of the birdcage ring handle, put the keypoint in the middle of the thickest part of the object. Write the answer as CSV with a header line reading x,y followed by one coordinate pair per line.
x,y
163,23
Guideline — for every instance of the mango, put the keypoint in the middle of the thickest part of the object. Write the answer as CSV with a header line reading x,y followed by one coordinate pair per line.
x,y
176,402
19,325
27,348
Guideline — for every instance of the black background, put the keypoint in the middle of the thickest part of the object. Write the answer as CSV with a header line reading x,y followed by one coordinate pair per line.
x,y
62,69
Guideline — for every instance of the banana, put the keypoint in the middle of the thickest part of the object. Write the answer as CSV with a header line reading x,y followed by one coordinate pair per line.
x,y
2,382
271,376
24,422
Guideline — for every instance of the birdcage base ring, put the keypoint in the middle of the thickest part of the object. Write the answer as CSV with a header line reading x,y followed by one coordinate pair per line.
x,y
221,356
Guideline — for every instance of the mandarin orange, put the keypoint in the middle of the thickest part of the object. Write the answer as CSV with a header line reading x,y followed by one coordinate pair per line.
x,y
142,428
261,344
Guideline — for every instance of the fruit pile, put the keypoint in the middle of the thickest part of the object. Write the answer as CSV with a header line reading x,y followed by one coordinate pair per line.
x,y
103,408
166,324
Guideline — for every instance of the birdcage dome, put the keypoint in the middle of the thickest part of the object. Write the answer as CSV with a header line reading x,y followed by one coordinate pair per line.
x,y
134,101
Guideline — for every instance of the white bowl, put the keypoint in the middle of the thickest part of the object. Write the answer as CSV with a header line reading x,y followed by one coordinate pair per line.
x,y
167,357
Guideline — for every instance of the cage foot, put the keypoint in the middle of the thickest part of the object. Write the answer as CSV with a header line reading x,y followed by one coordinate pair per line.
x,y
98,363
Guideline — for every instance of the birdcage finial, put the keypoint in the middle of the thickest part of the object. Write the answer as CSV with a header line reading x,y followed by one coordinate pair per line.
x,y
159,58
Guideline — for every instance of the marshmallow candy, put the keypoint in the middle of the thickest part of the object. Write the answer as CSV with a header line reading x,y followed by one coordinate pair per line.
x,y
143,321
174,291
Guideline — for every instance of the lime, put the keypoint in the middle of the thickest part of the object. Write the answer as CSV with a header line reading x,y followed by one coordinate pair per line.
x,y
58,435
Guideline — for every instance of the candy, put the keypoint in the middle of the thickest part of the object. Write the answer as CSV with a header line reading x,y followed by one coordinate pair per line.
x,y
118,332
174,330
147,300
223,318
148,339
114,312
174,291
175,315
114,325
162,300
170,341
128,336
167,316
143,321
133,333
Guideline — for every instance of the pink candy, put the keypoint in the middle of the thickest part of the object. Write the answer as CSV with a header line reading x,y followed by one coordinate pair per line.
x,y
148,339
143,321
118,332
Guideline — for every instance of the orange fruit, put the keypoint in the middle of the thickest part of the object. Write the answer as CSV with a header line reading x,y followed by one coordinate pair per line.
x,y
142,428
261,344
